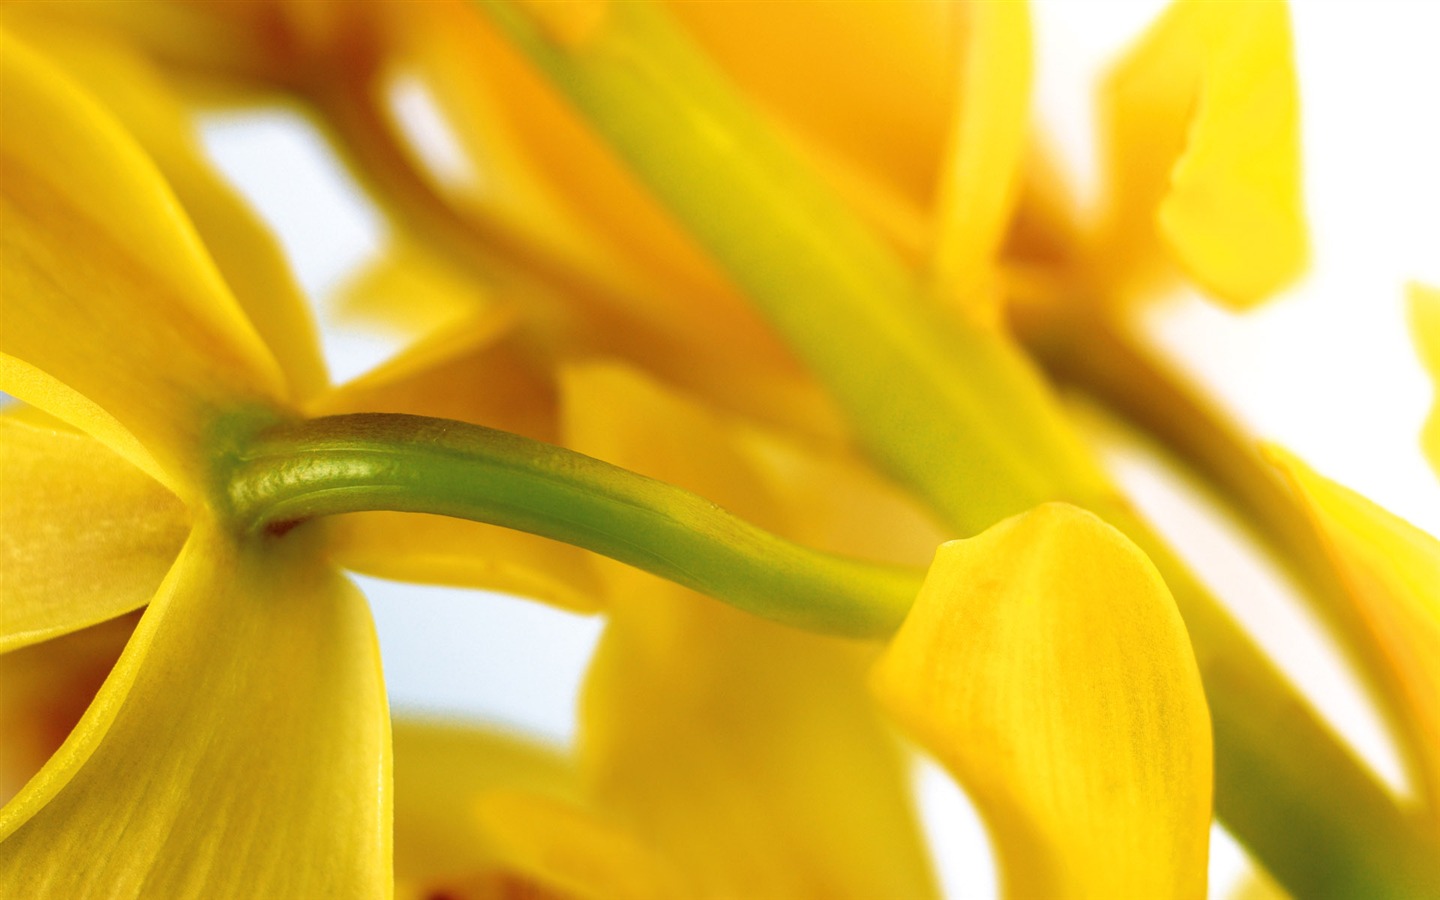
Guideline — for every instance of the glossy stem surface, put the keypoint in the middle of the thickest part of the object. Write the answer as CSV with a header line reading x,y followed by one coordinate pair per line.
x,y
367,462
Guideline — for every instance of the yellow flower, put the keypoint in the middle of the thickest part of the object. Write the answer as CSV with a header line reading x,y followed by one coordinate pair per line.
x,y
1045,662
255,664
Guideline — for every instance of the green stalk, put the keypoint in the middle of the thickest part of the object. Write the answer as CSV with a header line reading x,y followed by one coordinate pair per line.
x,y
956,411
356,463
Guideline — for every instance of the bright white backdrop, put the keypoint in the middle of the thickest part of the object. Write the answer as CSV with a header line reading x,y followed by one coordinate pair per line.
x,y
1327,369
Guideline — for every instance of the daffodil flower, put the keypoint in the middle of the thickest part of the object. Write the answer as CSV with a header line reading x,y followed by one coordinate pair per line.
x,y
1044,662
139,342
253,655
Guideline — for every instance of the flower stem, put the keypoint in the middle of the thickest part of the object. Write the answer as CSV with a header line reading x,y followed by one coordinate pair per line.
x,y
954,410
366,462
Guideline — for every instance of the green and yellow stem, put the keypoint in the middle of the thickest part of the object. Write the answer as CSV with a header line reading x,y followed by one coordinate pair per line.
x,y
1080,344
365,462
959,414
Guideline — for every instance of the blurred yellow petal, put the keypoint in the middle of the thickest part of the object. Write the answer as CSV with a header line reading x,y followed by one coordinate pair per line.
x,y
240,747
107,288
544,191
246,253
1425,326
1259,886
565,846
84,535
746,753
980,174
870,82
1203,153
442,773
1046,665
1392,572
412,292
45,688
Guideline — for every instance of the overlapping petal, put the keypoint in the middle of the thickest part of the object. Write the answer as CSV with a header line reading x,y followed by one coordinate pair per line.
x,y
1202,129
1046,665
139,322
1391,570
243,249
744,752
84,535
443,773
575,851
1425,325
45,688
240,747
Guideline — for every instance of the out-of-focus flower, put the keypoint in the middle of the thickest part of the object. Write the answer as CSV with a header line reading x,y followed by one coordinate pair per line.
x,y
1425,323
721,755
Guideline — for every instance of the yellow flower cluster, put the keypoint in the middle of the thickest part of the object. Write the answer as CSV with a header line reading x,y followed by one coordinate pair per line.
x,y
734,314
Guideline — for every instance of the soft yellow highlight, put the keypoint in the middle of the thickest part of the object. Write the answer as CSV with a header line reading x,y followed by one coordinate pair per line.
x,y
1425,326
564,846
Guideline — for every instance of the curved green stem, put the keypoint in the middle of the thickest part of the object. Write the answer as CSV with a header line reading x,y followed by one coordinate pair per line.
x,y
955,411
366,462
1080,344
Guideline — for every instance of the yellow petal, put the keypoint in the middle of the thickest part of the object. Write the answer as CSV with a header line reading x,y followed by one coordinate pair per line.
x,y
246,253
45,688
107,289
744,752
240,747
1425,326
1046,665
442,773
873,82
413,292
1203,132
986,146
84,535
573,851
1392,572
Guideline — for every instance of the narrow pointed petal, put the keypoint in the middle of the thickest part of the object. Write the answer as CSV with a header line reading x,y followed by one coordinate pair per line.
x,y
442,773
45,689
239,748
1392,572
84,535
1046,665
1425,326
107,288
1203,133
986,147
575,852
246,253
744,752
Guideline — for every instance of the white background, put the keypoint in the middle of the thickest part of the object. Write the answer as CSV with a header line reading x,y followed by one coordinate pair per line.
x,y
1326,370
